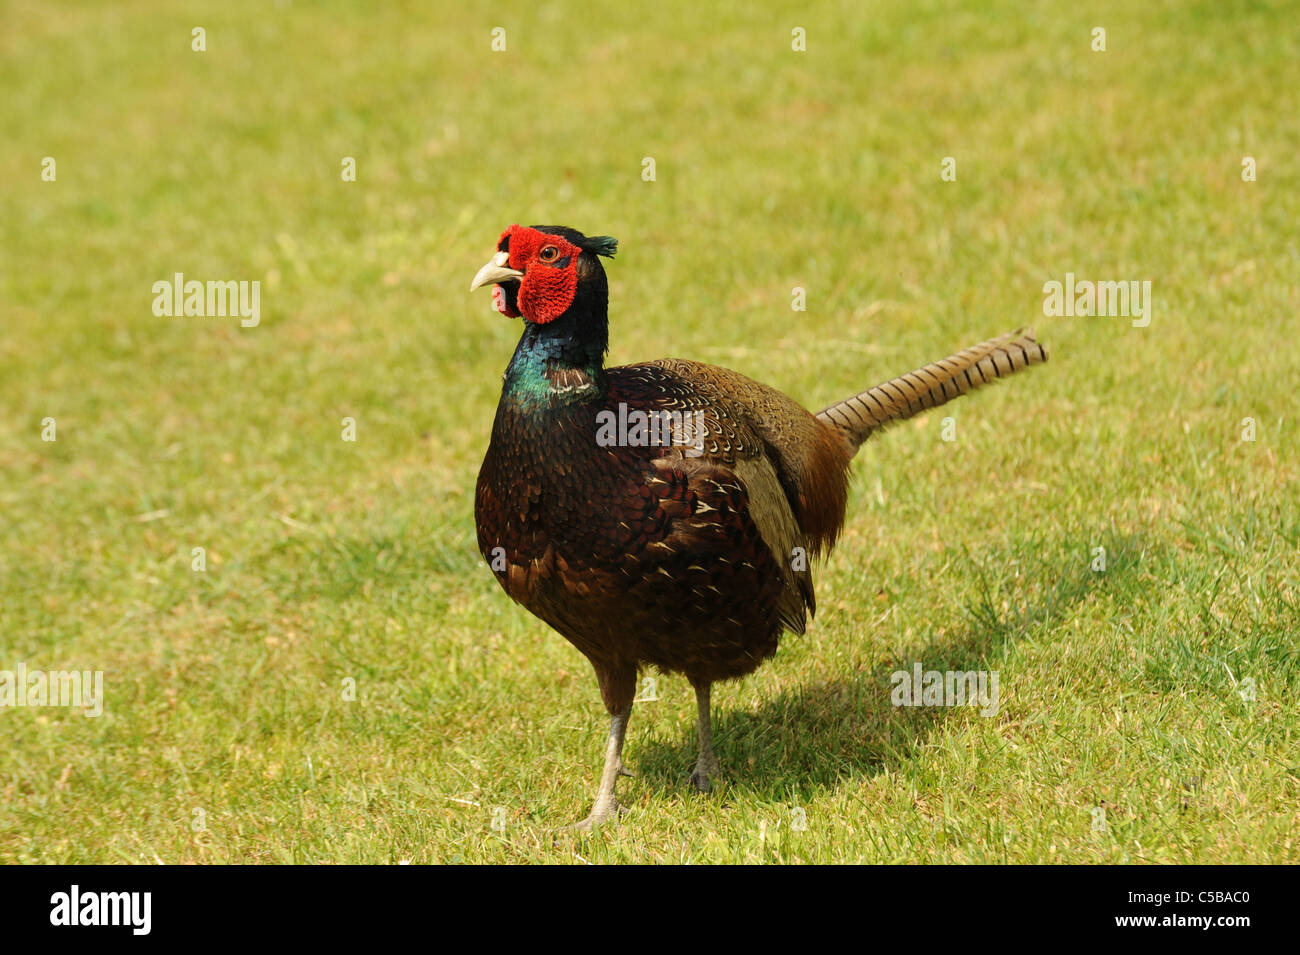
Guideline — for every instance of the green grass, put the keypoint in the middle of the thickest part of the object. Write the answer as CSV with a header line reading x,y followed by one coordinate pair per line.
x,y
330,560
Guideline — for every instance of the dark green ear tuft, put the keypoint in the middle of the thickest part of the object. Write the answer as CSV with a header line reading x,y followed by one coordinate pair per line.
x,y
605,245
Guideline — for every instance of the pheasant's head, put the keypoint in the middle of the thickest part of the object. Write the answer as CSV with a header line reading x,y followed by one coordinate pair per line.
x,y
540,270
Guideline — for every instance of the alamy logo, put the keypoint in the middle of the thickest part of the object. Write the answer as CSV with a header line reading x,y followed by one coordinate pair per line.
x,y
208,300
103,908
946,688
82,689
641,429
1131,299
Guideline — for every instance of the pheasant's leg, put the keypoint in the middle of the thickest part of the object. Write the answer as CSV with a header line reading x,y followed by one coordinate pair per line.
x,y
606,806
707,765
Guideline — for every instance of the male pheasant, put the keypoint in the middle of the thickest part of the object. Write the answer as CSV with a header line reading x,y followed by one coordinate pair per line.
x,y
663,514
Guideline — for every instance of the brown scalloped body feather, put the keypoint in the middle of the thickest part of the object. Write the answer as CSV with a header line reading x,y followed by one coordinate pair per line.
x,y
649,555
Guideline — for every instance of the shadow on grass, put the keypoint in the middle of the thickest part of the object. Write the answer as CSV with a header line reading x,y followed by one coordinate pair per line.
x,y
816,736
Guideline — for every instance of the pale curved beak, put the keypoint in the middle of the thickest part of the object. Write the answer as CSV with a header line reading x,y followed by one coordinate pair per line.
x,y
497,270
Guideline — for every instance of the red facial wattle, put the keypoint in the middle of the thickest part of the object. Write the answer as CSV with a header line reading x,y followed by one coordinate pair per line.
x,y
550,278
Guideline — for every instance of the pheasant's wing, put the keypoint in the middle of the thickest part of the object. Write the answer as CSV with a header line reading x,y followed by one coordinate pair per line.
x,y
714,480
810,459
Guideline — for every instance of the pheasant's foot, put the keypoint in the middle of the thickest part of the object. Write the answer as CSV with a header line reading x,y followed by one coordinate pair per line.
x,y
706,767
606,807
605,810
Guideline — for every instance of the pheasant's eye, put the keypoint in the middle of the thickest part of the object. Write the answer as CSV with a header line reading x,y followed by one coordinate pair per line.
x,y
549,254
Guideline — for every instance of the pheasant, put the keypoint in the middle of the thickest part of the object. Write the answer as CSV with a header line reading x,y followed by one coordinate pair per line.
x,y
664,514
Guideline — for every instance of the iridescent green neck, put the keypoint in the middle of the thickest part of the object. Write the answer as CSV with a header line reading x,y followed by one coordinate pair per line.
x,y
570,349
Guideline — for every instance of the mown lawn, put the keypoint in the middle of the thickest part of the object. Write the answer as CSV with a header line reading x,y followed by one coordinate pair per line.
x,y
475,732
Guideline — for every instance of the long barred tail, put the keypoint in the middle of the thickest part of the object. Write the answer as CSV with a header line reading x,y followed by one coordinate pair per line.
x,y
939,382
